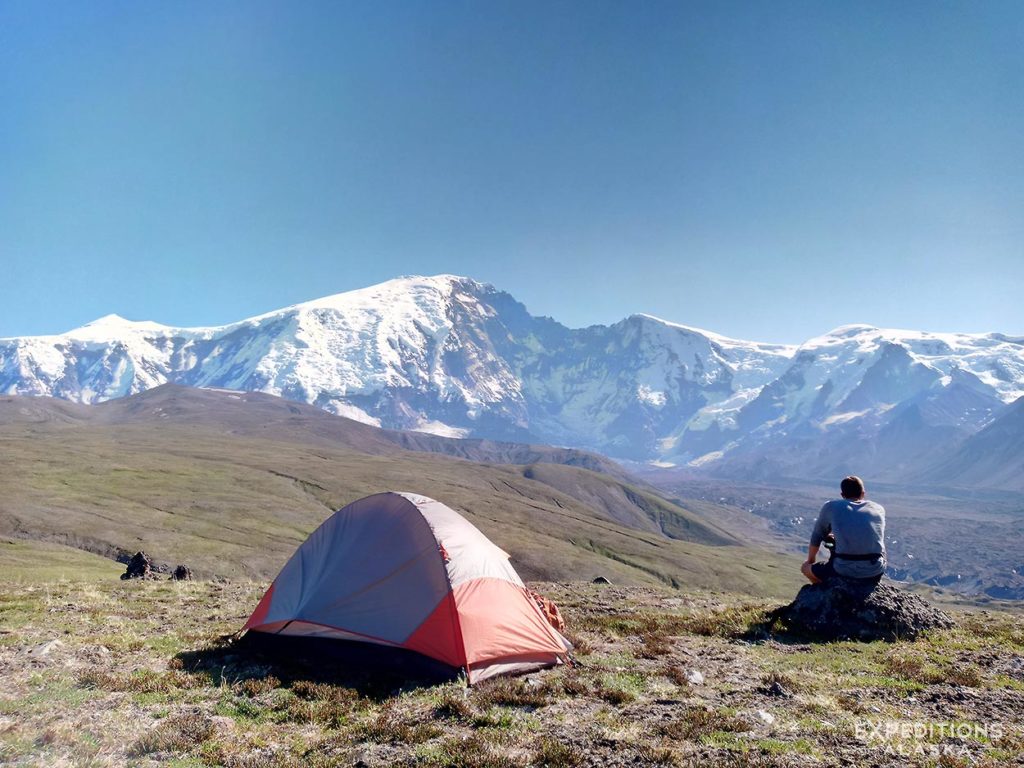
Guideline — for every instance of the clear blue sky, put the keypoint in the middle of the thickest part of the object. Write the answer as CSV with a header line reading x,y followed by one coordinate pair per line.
x,y
767,170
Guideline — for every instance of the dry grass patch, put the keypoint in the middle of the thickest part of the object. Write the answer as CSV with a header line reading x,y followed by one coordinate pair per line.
x,y
552,753
142,681
676,674
739,621
392,727
453,706
698,722
910,665
580,645
471,752
257,686
573,684
512,692
178,733
651,755
654,644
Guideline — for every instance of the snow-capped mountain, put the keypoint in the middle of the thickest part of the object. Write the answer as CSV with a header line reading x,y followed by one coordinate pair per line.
x,y
456,357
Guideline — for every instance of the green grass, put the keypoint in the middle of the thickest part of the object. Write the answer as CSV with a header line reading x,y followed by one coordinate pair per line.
x,y
118,692
40,562
237,502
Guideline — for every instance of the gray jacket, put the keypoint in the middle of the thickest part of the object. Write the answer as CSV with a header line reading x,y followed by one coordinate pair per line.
x,y
859,528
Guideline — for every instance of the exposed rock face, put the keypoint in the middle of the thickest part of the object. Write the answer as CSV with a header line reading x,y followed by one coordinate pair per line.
x,y
182,573
139,567
843,609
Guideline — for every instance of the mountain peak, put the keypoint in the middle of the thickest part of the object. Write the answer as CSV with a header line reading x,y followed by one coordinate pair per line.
x,y
111,319
109,326
451,355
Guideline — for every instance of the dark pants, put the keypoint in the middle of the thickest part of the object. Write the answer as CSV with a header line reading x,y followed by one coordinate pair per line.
x,y
825,571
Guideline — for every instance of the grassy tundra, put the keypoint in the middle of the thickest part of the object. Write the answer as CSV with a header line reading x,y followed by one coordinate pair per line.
x,y
102,672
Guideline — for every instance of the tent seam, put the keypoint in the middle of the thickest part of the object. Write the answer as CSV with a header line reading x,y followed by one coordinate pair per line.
x,y
456,624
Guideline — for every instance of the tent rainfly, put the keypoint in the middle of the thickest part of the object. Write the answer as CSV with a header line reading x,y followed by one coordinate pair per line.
x,y
403,570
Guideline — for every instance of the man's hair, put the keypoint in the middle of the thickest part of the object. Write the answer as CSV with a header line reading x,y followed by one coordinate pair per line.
x,y
852,487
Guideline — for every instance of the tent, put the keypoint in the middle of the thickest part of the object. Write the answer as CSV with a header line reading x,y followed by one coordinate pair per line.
x,y
403,570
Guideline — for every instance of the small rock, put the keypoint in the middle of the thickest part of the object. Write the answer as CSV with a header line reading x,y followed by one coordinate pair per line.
x,y
846,609
45,649
777,690
694,677
765,717
601,580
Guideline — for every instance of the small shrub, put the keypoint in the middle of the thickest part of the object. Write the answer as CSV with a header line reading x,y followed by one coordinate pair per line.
x,y
615,696
512,692
696,722
495,717
473,752
142,681
389,727
651,755
175,734
741,621
676,674
620,688
296,710
655,644
852,703
574,685
257,686
967,675
554,754
325,692
453,706
580,645
905,665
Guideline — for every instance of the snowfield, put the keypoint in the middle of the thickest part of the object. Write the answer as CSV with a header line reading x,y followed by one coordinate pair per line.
x,y
452,356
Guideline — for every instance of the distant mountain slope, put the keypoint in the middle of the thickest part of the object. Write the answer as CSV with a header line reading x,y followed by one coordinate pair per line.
x,y
450,356
994,457
184,474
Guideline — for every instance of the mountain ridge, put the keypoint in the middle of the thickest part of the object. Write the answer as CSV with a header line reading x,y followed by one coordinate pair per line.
x,y
456,357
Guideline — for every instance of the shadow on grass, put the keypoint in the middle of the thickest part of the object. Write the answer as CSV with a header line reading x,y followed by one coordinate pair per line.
x,y
376,672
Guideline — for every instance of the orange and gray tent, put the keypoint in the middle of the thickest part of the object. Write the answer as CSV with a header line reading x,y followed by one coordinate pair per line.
x,y
403,570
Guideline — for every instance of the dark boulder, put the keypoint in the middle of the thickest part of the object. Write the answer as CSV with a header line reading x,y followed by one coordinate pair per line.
x,y
182,573
601,580
139,567
844,609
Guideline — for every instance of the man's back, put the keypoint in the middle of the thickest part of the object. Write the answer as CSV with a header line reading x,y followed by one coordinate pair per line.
x,y
859,528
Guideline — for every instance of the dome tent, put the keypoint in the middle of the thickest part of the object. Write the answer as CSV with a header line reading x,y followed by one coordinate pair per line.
x,y
405,571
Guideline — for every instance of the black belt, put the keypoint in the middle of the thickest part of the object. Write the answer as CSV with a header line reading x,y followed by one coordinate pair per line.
x,y
873,556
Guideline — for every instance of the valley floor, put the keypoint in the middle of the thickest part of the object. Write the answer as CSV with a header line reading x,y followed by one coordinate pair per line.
x,y
101,672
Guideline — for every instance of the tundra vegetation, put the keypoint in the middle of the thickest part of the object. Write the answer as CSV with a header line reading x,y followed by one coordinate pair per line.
x,y
103,672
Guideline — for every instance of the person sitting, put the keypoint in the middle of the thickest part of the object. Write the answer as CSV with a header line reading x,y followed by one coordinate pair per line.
x,y
858,526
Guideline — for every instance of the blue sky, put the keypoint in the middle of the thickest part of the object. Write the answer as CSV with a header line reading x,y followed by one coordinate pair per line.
x,y
767,170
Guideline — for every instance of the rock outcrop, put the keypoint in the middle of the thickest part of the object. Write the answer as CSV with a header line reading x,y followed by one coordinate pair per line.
x,y
139,567
844,609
